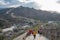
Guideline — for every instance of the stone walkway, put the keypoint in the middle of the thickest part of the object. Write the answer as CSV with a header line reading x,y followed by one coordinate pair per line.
x,y
38,37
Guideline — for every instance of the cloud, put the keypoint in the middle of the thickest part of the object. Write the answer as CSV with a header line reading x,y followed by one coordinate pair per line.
x,y
9,3
13,6
2,3
32,5
25,1
16,3
48,5
58,1
12,2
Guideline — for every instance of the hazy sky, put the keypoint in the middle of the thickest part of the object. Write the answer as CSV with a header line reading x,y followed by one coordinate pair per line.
x,y
49,5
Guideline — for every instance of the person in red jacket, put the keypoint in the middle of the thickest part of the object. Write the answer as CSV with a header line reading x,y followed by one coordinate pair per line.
x,y
29,32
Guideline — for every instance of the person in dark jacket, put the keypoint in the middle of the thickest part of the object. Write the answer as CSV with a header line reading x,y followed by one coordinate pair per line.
x,y
40,31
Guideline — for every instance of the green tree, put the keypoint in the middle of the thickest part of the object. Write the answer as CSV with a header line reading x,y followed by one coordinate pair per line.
x,y
1,37
0,30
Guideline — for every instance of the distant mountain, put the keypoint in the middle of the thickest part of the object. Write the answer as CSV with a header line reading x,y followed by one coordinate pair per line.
x,y
30,13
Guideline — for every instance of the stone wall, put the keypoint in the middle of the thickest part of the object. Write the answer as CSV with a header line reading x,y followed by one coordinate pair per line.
x,y
52,34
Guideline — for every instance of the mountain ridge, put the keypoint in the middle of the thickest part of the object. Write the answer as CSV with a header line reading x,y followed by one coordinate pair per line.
x,y
33,13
